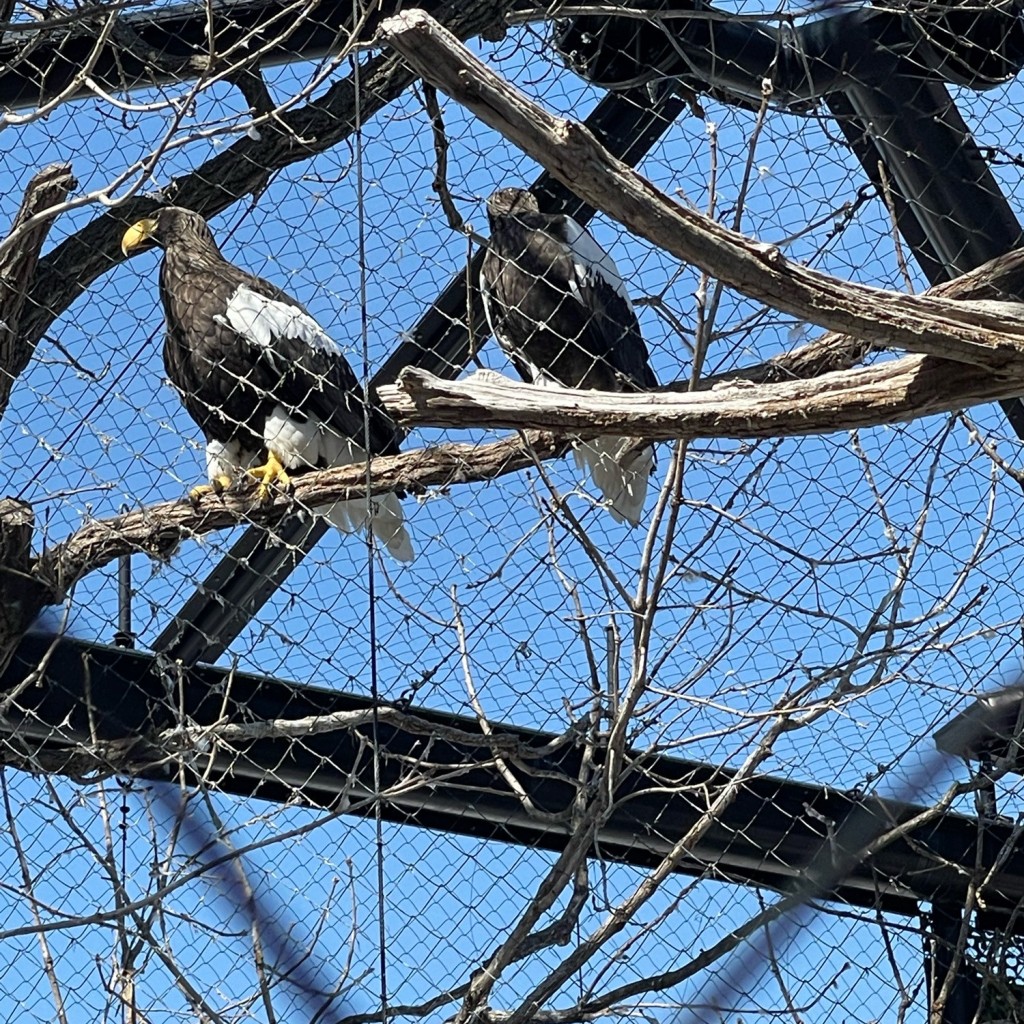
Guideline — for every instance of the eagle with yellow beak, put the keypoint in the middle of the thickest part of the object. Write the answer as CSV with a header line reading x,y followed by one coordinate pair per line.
x,y
268,387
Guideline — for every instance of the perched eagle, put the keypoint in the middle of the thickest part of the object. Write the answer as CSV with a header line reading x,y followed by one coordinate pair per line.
x,y
270,390
557,306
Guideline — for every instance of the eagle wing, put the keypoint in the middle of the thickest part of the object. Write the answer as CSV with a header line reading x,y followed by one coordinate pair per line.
x,y
304,368
593,279
556,302
318,412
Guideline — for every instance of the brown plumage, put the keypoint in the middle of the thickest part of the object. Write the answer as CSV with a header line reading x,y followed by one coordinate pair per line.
x,y
557,305
260,377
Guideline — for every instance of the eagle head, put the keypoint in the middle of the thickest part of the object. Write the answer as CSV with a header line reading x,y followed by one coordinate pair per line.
x,y
141,235
167,227
507,202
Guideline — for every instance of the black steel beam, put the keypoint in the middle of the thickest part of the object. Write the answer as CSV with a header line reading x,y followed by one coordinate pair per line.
x,y
948,196
972,45
164,46
239,585
884,74
950,209
943,926
249,574
769,836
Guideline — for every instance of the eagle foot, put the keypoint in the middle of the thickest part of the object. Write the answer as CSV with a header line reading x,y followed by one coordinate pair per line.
x,y
269,474
218,485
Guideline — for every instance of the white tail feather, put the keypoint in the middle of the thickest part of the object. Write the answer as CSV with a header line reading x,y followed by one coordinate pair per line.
x,y
385,521
620,477
311,443
388,525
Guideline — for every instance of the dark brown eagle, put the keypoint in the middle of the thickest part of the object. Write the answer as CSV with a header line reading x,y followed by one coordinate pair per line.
x,y
268,387
557,305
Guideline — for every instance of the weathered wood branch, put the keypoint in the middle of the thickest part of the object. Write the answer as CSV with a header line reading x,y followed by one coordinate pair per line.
x,y
27,584
157,530
1000,280
18,263
888,392
239,171
980,333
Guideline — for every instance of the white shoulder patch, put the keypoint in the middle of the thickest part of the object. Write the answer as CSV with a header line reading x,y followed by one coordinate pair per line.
x,y
591,260
260,320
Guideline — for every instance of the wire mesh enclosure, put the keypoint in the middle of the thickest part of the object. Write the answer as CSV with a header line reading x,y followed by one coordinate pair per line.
x,y
530,718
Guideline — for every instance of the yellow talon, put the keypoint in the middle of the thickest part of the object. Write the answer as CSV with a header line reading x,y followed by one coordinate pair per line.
x,y
270,473
220,483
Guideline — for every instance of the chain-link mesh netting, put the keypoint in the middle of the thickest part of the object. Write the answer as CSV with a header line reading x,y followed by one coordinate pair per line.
x,y
556,768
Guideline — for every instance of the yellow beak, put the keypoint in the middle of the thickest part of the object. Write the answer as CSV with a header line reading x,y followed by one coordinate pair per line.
x,y
141,231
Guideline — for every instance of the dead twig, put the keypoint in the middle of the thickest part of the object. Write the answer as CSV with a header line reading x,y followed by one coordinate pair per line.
x,y
18,266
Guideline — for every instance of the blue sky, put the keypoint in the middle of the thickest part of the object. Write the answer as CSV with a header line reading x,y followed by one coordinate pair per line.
x,y
797,524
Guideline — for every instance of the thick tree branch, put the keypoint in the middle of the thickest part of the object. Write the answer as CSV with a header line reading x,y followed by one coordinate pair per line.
x,y
998,280
889,392
18,267
158,529
237,172
986,335
27,585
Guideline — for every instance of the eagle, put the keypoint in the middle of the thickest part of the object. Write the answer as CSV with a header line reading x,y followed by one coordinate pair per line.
x,y
268,387
556,303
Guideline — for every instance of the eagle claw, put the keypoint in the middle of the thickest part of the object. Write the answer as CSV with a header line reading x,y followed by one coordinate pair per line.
x,y
217,485
269,474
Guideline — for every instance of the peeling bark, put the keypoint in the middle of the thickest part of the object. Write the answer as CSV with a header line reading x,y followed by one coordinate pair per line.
x,y
889,392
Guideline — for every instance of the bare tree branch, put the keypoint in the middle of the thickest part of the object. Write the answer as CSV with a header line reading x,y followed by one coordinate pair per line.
x,y
889,392
158,529
444,196
998,280
18,267
28,584
977,333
